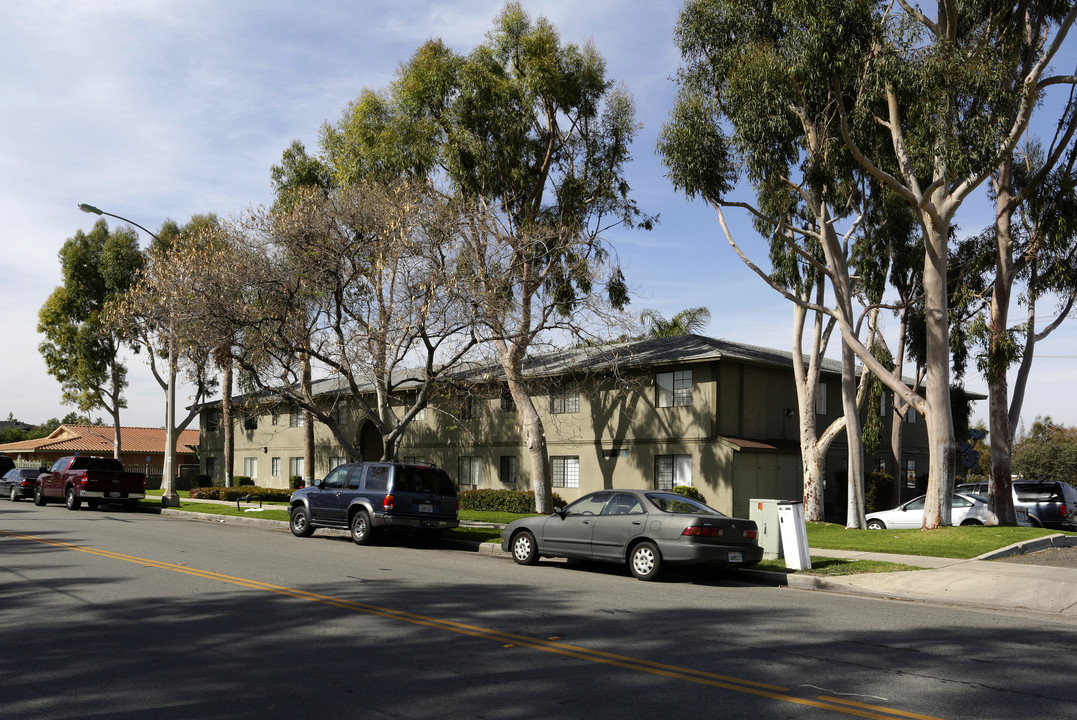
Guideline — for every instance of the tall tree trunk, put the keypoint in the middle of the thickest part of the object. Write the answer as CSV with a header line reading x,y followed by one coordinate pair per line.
x,y
939,415
308,425
227,422
855,508
534,432
1000,510
897,416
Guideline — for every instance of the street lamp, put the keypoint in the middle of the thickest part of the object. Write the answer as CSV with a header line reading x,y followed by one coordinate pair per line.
x,y
169,496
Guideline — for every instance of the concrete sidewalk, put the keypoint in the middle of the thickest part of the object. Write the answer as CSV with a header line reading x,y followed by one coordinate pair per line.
x,y
979,583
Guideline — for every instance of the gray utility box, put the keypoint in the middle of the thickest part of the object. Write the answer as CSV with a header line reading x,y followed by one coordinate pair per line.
x,y
765,515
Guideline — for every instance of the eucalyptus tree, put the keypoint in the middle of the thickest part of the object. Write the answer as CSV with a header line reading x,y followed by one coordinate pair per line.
x,y
918,102
531,139
81,349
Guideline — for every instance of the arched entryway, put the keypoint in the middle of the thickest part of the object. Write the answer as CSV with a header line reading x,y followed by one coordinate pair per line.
x,y
370,443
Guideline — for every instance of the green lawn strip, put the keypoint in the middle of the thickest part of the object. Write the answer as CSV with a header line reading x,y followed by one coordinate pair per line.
x,y
268,513
490,516
948,542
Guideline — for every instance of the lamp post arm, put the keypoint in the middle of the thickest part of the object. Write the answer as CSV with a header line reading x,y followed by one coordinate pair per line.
x,y
97,211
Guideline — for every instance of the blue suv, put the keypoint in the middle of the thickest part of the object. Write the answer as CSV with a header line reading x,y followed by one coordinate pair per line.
x,y
365,497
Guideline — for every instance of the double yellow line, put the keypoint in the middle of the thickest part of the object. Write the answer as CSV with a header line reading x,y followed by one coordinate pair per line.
x,y
512,640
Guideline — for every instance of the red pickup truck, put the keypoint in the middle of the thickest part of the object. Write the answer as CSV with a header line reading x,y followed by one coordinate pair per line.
x,y
96,480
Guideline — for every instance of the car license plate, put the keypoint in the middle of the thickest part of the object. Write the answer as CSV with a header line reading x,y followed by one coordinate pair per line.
x,y
115,494
736,557
426,508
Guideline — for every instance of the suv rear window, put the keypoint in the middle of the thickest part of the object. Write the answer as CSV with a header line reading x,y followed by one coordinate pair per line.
x,y
428,480
1038,492
96,463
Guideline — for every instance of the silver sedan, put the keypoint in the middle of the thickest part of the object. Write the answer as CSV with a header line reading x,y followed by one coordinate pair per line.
x,y
644,529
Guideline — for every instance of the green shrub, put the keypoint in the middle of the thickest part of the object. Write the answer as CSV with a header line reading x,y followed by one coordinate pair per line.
x,y
295,482
231,494
241,480
512,501
203,481
878,491
690,492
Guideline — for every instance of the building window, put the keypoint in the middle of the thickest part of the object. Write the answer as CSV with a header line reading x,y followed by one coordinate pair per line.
x,y
297,466
910,473
565,399
274,467
507,472
472,407
340,413
211,467
820,399
250,421
274,418
671,471
213,421
297,418
565,471
470,471
250,467
508,404
674,389
910,415
336,461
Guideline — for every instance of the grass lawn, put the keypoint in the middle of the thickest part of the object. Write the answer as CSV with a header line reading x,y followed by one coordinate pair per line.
x,y
949,542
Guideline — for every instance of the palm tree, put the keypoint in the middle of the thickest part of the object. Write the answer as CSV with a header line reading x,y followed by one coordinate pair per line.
x,y
686,322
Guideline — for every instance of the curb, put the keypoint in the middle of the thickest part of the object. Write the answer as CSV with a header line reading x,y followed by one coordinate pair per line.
x,y
1030,546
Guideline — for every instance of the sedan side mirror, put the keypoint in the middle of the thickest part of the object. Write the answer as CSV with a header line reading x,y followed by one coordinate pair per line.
x,y
561,511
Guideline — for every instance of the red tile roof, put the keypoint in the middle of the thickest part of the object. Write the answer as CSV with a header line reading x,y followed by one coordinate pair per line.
x,y
98,439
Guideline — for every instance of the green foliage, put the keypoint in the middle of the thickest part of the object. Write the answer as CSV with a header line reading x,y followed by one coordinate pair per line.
x,y
686,322
203,481
295,482
231,494
511,501
878,491
690,492
242,480
1048,452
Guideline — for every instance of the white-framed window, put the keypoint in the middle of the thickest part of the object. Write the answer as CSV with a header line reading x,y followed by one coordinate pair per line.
x,y
335,461
820,399
507,469
274,467
297,418
297,466
565,399
470,471
250,467
671,471
473,407
274,418
910,473
565,471
673,389
340,413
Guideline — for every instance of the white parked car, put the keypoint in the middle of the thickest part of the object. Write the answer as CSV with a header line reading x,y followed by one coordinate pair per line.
x,y
966,509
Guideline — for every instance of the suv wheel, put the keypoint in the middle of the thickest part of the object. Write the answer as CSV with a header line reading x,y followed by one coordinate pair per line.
x,y
361,531
299,522
39,496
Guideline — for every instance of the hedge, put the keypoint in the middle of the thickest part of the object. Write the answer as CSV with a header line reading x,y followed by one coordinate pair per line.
x,y
690,492
512,501
234,493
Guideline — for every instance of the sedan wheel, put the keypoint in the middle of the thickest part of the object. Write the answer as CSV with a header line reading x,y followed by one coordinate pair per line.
x,y
13,496
299,523
972,522
645,562
524,551
361,530
876,525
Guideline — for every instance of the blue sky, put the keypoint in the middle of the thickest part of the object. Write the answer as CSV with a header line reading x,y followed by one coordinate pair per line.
x,y
154,109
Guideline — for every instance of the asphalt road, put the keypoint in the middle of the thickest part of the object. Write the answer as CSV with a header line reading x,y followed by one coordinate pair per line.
x,y
114,615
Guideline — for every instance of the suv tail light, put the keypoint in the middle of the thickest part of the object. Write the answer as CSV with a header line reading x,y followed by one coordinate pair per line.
x,y
1063,510
389,502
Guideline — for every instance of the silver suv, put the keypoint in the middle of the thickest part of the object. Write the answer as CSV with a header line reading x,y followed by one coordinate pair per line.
x,y
367,496
1050,503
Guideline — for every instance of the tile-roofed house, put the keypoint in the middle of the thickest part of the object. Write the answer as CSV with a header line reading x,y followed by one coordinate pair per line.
x,y
142,447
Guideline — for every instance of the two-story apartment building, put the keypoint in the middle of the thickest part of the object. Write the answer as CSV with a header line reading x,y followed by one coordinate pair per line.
x,y
717,415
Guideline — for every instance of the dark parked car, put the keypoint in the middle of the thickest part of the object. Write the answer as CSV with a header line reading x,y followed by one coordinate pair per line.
x,y
19,483
646,529
368,496
1050,503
